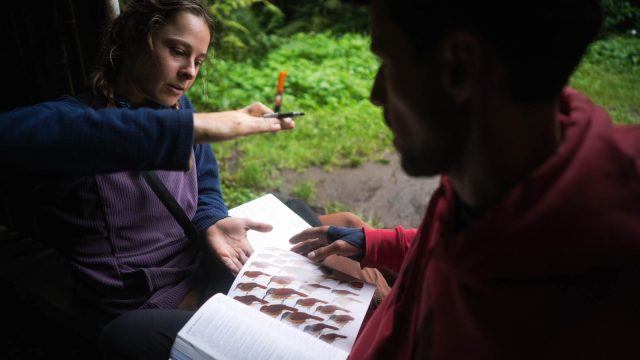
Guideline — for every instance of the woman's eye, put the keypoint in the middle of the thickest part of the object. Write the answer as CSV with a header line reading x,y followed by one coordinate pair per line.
x,y
198,63
177,52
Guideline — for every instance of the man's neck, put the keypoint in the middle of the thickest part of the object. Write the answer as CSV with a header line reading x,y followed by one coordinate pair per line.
x,y
506,143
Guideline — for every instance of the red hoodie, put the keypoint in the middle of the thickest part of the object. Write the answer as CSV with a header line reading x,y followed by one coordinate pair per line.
x,y
553,271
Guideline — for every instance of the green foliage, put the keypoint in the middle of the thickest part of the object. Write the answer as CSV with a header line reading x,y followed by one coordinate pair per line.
x,y
619,53
235,195
241,26
329,79
325,71
620,16
336,16
610,75
306,191
244,27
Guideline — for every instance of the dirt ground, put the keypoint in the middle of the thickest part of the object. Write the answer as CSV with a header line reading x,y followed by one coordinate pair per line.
x,y
382,192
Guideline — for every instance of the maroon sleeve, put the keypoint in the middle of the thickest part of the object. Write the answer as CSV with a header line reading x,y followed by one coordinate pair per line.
x,y
387,247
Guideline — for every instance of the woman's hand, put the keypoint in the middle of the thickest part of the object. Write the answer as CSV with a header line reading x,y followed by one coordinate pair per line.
x,y
226,125
316,244
228,240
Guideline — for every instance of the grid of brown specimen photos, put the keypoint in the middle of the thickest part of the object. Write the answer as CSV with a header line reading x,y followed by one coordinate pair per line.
x,y
316,299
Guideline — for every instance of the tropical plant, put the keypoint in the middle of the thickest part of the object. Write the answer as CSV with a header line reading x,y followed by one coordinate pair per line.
x,y
621,16
242,25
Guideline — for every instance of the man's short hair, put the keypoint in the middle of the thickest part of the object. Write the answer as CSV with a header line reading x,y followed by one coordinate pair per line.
x,y
540,42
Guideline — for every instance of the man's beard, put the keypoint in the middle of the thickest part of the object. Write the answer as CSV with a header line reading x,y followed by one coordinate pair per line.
x,y
418,166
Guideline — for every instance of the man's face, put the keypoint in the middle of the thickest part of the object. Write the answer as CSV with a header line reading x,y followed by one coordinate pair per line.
x,y
179,48
415,106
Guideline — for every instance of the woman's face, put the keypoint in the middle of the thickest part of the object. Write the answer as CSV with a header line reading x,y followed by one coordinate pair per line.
x,y
169,69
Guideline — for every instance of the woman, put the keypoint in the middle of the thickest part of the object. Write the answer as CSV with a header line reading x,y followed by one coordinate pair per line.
x,y
126,250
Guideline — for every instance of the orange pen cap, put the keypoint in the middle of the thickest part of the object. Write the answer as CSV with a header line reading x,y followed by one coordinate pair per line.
x,y
281,77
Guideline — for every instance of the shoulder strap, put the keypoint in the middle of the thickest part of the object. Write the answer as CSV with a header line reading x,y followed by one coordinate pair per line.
x,y
218,277
171,204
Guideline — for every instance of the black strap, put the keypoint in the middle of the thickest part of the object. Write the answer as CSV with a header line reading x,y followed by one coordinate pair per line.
x,y
218,278
171,204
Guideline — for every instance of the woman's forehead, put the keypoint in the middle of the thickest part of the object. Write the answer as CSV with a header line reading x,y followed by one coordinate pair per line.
x,y
187,28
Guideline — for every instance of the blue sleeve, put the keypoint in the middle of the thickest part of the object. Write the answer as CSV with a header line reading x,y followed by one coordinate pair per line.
x,y
211,206
66,137
354,236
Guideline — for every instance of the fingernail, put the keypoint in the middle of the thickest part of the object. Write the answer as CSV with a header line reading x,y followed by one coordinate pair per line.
x,y
311,255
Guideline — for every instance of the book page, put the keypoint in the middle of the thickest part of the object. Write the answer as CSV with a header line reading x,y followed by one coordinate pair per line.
x,y
286,223
224,329
314,299
269,209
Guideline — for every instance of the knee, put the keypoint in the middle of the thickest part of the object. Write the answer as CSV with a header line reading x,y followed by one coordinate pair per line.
x,y
142,334
117,337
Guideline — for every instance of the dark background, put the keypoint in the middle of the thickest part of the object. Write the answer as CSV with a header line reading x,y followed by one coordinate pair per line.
x,y
49,48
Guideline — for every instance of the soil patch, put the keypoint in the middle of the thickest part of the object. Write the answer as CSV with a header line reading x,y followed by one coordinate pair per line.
x,y
382,192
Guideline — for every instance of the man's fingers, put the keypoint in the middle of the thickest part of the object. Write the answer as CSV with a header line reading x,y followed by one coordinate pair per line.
x,y
310,233
304,247
321,253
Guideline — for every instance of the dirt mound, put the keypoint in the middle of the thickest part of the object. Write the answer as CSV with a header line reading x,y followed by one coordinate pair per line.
x,y
382,192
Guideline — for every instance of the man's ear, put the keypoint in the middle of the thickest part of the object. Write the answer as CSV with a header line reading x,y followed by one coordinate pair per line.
x,y
460,59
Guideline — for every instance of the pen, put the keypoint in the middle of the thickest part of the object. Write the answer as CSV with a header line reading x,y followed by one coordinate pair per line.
x,y
283,114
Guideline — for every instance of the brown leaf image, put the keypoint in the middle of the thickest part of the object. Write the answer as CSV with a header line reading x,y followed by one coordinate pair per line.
x,y
254,274
331,337
330,309
247,287
311,287
341,319
276,309
308,302
343,292
250,299
299,317
261,264
317,328
281,279
346,300
283,293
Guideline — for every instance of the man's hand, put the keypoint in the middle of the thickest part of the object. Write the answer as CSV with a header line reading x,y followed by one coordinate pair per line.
x,y
226,125
228,240
316,244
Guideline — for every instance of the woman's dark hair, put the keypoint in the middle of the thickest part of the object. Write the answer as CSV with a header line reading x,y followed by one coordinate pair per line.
x,y
129,35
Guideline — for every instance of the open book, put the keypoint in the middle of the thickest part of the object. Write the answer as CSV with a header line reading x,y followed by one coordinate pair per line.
x,y
281,305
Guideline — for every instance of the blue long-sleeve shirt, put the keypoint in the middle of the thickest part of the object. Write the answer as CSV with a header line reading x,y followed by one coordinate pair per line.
x,y
70,138
125,247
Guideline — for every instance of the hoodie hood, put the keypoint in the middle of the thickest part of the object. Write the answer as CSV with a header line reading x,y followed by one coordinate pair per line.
x,y
579,211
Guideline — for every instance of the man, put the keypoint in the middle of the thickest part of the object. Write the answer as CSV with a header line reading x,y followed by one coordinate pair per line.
x,y
530,249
